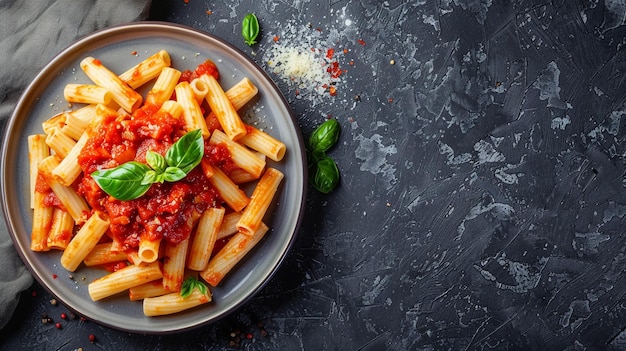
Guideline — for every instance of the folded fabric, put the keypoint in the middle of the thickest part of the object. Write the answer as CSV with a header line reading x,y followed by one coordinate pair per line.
x,y
31,33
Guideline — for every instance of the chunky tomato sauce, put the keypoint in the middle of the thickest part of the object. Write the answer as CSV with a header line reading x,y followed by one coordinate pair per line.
x,y
167,210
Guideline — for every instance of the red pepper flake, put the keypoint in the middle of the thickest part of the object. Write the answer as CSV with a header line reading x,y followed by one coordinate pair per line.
x,y
361,41
134,53
330,53
334,70
33,293
332,90
209,12
186,1
63,316
351,63
54,276
345,51
249,336
390,100
319,29
58,325
276,38
92,338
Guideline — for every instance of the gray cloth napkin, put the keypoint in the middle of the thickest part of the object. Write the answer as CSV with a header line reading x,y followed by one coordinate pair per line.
x,y
31,33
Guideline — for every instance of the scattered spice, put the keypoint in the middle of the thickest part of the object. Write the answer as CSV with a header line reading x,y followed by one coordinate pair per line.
x,y
361,41
92,338
209,12
134,53
63,316
58,325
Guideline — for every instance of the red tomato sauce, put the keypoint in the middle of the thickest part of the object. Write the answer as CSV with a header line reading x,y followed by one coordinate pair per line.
x,y
207,67
167,210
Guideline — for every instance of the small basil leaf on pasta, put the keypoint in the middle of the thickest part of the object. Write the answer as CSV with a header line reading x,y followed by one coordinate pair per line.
x,y
173,174
187,152
156,161
123,182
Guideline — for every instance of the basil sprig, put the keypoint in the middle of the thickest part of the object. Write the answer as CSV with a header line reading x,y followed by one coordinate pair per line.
x,y
132,179
190,284
323,171
250,29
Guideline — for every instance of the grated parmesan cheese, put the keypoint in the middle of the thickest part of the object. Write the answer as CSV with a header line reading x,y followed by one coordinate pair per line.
x,y
305,60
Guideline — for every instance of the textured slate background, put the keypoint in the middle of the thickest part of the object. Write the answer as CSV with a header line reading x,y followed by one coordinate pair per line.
x,y
482,199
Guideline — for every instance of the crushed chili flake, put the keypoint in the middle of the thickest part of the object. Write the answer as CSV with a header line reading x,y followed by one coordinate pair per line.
x,y
134,53
361,41
276,38
330,53
209,12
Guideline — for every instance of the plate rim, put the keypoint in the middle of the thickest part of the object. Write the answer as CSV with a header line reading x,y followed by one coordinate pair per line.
x,y
167,27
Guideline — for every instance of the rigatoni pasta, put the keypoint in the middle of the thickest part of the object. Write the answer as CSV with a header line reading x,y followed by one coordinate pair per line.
x,y
170,231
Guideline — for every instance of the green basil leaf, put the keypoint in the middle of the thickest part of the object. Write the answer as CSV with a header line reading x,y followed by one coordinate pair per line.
x,y
250,29
187,152
156,161
190,284
123,182
325,136
173,174
152,177
187,287
325,175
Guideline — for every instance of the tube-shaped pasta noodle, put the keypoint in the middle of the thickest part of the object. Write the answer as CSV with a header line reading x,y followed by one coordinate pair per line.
x,y
62,229
74,126
37,151
173,108
56,121
229,225
226,114
85,113
204,240
264,143
164,86
199,89
174,265
60,142
150,289
148,249
229,255
230,192
124,279
86,94
68,169
259,201
191,110
84,241
146,70
42,221
75,204
104,253
239,154
174,303
124,95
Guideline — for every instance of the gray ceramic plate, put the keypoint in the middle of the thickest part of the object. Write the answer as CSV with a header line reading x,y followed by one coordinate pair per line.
x,y
120,48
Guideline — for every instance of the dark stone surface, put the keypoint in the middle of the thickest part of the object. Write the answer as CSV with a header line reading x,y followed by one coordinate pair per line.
x,y
482,198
